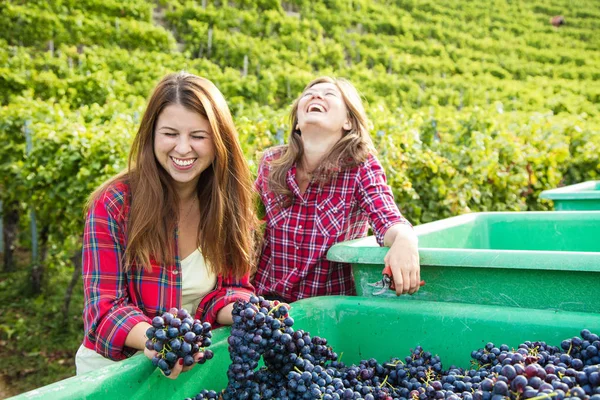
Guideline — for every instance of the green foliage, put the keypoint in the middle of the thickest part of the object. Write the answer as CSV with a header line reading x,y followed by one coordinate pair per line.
x,y
29,26
37,347
475,106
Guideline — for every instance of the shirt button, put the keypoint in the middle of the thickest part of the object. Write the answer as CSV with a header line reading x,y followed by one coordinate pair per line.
x,y
175,272
300,227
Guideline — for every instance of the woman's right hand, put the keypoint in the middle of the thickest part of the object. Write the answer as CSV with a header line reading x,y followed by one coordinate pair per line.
x,y
178,367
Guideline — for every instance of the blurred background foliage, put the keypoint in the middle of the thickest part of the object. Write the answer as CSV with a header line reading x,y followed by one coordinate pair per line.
x,y
476,105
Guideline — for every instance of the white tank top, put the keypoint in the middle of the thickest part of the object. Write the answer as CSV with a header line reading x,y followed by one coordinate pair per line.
x,y
196,281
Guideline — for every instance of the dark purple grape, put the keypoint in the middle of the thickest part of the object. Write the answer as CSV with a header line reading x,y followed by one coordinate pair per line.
x,y
162,364
509,372
158,322
150,332
188,360
518,384
175,322
171,357
531,370
185,328
160,334
594,378
175,344
189,337
172,332
167,317
186,348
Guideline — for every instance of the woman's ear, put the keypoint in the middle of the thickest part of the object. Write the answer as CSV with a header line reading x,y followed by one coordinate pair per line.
x,y
347,127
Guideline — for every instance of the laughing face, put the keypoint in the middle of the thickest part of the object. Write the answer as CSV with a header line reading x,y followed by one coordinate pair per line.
x,y
322,106
183,143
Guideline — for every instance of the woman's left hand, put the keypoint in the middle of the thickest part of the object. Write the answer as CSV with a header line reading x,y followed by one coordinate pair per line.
x,y
178,368
403,259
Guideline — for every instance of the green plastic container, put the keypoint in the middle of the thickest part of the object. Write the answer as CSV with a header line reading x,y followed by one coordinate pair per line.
x,y
579,197
357,328
541,260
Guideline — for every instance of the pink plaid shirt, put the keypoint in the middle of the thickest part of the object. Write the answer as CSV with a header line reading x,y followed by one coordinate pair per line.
x,y
293,265
115,299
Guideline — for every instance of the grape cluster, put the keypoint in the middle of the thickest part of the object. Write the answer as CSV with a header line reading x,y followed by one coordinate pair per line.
x,y
298,366
264,329
176,335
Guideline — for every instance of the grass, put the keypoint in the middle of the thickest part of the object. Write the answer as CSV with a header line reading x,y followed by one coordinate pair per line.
x,y
37,346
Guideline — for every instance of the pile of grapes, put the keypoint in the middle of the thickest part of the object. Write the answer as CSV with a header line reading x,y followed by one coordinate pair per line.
x,y
298,366
176,335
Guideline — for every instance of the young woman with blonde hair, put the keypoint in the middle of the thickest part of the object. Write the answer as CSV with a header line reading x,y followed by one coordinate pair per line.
x,y
173,230
325,186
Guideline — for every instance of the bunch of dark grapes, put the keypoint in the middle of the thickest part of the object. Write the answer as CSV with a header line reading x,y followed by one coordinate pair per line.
x,y
536,369
418,370
176,335
300,366
585,348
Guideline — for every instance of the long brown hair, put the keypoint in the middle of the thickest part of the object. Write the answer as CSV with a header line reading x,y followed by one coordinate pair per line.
x,y
353,148
224,190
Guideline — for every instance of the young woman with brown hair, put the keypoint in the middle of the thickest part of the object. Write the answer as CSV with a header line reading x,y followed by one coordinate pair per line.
x,y
325,186
173,230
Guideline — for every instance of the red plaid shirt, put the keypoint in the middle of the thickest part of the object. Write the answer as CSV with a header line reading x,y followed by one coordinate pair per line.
x,y
115,300
293,264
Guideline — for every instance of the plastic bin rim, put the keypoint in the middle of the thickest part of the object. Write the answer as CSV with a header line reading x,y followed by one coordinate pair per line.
x,y
352,251
581,191
477,258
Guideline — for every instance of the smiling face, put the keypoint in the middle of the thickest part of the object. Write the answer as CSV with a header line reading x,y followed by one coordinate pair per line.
x,y
322,106
183,144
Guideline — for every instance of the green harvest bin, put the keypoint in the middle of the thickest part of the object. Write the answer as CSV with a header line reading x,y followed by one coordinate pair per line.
x,y
579,197
541,260
358,327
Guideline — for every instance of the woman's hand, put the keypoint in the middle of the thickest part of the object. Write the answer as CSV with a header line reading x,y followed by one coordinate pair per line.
x,y
403,258
178,367
137,339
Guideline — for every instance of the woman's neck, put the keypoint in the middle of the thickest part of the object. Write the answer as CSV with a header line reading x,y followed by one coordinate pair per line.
x,y
186,192
316,147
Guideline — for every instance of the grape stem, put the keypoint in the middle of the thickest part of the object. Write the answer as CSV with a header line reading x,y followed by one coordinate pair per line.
x,y
544,396
384,381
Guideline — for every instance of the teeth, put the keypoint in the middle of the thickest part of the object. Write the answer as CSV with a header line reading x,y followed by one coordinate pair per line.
x,y
316,107
183,163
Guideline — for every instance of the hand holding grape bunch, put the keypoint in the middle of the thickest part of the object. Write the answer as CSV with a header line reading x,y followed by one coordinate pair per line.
x,y
176,342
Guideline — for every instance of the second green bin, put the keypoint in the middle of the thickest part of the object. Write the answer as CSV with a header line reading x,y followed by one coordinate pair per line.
x,y
541,260
579,197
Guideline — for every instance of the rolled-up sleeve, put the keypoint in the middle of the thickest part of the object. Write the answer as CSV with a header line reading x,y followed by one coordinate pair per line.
x,y
228,291
108,315
376,199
